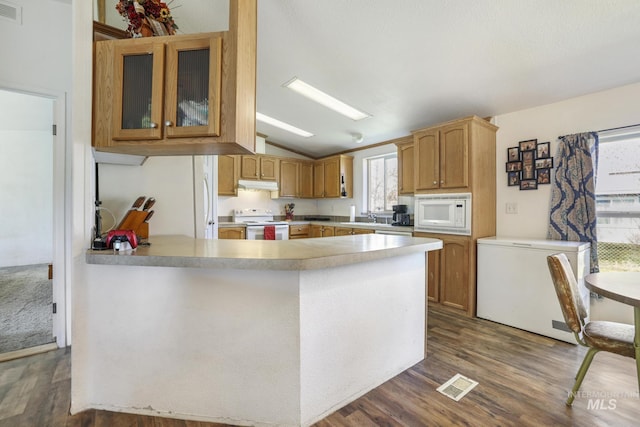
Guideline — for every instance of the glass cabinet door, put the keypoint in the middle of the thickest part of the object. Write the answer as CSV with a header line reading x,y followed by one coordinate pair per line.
x,y
138,90
193,84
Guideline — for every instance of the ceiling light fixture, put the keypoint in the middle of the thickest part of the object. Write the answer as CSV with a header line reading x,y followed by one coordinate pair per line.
x,y
328,101
357,137
282,125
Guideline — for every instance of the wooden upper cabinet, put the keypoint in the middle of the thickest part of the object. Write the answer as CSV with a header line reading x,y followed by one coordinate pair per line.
x,y
249,167
178,95
138,89
333,177
228,173
288,183
405,168
306,180
318,180
269,168
442,158
193,78
454,155
427,161
259,167
166,90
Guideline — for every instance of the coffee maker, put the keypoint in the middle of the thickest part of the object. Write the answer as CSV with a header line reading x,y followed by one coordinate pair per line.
x,y
400,215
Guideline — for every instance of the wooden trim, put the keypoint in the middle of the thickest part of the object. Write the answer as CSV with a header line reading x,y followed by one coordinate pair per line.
x,y
106,32
28,352
102,11
401,140
275,144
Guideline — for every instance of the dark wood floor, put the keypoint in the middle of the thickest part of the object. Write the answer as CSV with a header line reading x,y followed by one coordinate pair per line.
x,y
523,381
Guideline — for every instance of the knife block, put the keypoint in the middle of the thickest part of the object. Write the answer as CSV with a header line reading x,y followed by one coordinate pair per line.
x,y
134,220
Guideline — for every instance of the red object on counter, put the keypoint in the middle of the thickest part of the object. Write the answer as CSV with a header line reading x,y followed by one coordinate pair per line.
x,y
269,232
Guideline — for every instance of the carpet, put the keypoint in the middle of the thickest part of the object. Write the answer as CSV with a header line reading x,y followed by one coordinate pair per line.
x,y
26,298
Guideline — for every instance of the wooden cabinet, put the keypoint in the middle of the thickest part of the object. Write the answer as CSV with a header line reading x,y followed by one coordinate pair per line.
x,y
232,233
178,95
333,177
456,156
321,231
289,182
318,180
259,167
451,278
296,178
443,158
299,231
305,180
347,231
452,157
228,173
405,167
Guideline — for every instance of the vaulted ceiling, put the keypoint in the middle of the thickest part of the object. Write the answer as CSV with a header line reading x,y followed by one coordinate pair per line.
x,y
413,63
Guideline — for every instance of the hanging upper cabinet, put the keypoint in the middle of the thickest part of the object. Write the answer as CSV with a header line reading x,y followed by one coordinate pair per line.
x,y
153,101
176,95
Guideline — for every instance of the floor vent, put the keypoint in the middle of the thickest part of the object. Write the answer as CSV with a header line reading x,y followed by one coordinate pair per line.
x,y
457,387
10,12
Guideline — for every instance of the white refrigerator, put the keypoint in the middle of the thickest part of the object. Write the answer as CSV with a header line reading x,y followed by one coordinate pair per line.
x,y
514,286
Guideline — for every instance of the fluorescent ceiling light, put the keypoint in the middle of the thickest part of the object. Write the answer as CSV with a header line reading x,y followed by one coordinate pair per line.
x,y
328,101
282,125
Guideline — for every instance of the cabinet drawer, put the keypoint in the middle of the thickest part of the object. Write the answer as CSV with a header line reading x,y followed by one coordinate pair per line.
x,y
298,231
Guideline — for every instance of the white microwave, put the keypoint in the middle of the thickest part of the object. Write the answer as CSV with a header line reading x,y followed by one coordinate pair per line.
x,y
443,213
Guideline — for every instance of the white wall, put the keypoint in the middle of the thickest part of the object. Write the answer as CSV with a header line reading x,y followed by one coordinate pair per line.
x,y
37,54
26,172
603,110
342,206
168,179
37,58
598,111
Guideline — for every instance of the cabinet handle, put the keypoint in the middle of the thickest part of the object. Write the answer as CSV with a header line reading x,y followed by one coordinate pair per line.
x,y
168,123
153,125
435,182
441,182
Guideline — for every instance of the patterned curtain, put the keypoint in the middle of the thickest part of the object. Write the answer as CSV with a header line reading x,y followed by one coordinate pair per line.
x,y
573,197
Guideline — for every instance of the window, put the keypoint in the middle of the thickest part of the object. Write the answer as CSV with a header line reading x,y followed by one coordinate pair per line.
x,y
382,182
618,201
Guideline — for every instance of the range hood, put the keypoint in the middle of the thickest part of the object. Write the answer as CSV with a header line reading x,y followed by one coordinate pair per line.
x,y
249,184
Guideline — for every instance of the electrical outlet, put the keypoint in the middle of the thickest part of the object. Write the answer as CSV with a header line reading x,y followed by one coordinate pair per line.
x,y
511,208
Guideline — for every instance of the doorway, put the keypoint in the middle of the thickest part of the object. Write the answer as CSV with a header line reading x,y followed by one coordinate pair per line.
x,y
27,186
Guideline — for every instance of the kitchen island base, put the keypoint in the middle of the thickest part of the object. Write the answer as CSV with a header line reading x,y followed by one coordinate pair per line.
x,y
244,347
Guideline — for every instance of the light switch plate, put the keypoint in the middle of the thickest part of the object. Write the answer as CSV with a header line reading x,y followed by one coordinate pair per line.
x,y
511,208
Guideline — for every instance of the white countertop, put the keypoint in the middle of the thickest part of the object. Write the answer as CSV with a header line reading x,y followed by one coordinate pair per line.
x,y
299,254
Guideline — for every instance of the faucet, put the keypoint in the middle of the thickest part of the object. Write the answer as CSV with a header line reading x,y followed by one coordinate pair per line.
x,y
371,216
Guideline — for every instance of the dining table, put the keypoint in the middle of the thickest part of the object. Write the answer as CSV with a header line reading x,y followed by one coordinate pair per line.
x,y
624,287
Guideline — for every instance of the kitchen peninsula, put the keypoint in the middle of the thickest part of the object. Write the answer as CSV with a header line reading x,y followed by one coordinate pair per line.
x,y
247,332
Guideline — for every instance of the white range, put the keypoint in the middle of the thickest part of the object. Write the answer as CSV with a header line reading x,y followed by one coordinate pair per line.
x,y
256,220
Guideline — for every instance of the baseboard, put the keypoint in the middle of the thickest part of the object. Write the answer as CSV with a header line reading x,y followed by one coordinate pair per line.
x,y
28,352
